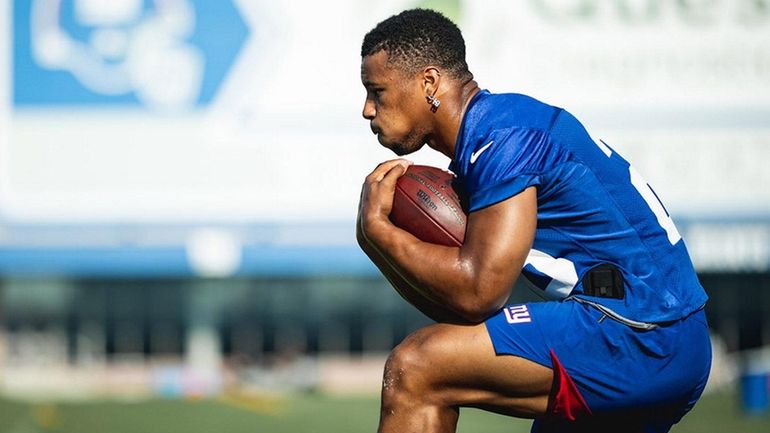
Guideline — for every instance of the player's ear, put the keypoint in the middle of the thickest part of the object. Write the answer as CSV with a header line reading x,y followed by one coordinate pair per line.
x,y
431,80
431,77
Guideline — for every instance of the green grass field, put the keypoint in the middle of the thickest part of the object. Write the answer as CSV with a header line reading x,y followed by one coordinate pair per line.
x,y
301,413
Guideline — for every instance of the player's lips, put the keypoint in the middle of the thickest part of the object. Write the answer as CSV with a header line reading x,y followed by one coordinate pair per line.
x,y
375,130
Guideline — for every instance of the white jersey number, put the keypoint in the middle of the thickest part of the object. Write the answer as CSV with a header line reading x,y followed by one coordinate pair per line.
x,y
645,190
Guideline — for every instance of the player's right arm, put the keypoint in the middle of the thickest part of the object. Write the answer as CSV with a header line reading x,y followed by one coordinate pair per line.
x,y
473,280
402,285
404,288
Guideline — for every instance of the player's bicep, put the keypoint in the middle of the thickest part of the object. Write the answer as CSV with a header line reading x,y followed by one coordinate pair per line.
x,y
497,241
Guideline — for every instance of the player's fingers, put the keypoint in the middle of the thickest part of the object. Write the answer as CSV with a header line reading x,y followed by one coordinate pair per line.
x,y
379,173
389,180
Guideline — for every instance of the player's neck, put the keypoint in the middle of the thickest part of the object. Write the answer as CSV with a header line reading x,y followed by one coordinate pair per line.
x,y
449,117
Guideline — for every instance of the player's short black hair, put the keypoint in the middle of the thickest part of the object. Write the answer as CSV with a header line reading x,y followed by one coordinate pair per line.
x,y
417,38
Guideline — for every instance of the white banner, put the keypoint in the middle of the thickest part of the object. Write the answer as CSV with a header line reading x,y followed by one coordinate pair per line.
x,y
241,110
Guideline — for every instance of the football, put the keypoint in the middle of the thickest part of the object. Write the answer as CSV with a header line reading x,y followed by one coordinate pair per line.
x,y
426,205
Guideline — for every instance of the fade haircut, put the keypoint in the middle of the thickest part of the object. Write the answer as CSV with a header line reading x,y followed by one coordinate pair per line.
x,y
417,38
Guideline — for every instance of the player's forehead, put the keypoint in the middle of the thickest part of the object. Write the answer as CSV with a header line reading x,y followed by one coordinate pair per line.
x,y
377,71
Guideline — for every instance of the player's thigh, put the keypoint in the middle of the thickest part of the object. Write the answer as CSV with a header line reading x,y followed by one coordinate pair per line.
x,y
457,365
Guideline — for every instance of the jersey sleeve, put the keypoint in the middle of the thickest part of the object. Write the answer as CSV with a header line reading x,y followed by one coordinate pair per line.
x,y
505,163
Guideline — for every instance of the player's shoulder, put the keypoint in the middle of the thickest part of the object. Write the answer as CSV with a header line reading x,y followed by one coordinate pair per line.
x,y
503,111
515,98
490,101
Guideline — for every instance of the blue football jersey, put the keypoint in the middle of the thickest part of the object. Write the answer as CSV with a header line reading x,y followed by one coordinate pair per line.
x,y
593,208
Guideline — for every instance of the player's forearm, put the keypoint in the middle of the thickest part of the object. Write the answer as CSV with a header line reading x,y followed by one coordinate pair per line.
x,y
408,290
442,273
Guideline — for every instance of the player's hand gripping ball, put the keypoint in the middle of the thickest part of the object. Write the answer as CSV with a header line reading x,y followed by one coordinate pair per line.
x,y
426,205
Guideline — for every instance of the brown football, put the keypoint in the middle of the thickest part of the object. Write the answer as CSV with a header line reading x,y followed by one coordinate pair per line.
x,y
426,205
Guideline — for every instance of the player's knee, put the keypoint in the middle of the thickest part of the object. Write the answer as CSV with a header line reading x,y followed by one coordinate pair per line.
x,y
403,368
407,370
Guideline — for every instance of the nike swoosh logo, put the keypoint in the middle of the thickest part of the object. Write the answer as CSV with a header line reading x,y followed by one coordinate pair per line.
x,y
475,155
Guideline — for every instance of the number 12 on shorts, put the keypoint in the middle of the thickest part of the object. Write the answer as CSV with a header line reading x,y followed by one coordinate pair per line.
x,y
517,314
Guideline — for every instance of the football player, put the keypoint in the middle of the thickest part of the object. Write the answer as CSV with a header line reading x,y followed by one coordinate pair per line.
x,y
622,346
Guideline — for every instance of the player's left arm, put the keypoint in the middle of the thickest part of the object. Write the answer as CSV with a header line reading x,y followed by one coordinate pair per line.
x,y
473,280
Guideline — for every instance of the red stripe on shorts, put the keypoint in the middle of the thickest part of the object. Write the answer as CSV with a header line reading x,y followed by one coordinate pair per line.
x,y
566,401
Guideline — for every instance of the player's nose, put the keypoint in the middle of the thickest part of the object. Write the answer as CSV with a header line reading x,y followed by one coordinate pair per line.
x,y
369,112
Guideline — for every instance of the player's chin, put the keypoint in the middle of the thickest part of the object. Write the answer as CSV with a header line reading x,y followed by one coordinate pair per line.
x,y
394,147
398,147
401,151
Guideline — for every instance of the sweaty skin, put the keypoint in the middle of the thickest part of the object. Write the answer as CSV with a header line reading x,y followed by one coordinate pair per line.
x,y
444,366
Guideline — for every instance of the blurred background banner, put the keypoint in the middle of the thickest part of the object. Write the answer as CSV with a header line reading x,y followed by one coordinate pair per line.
x,y
179,179
155,117
162,55
246,110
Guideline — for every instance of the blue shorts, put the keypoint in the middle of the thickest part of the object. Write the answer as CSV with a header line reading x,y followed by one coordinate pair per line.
x,y
647,379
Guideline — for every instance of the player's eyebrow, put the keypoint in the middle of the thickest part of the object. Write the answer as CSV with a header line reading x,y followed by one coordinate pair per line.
x,y
368,84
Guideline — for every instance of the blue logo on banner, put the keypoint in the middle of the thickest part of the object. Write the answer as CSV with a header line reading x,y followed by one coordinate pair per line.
x,y
162,54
